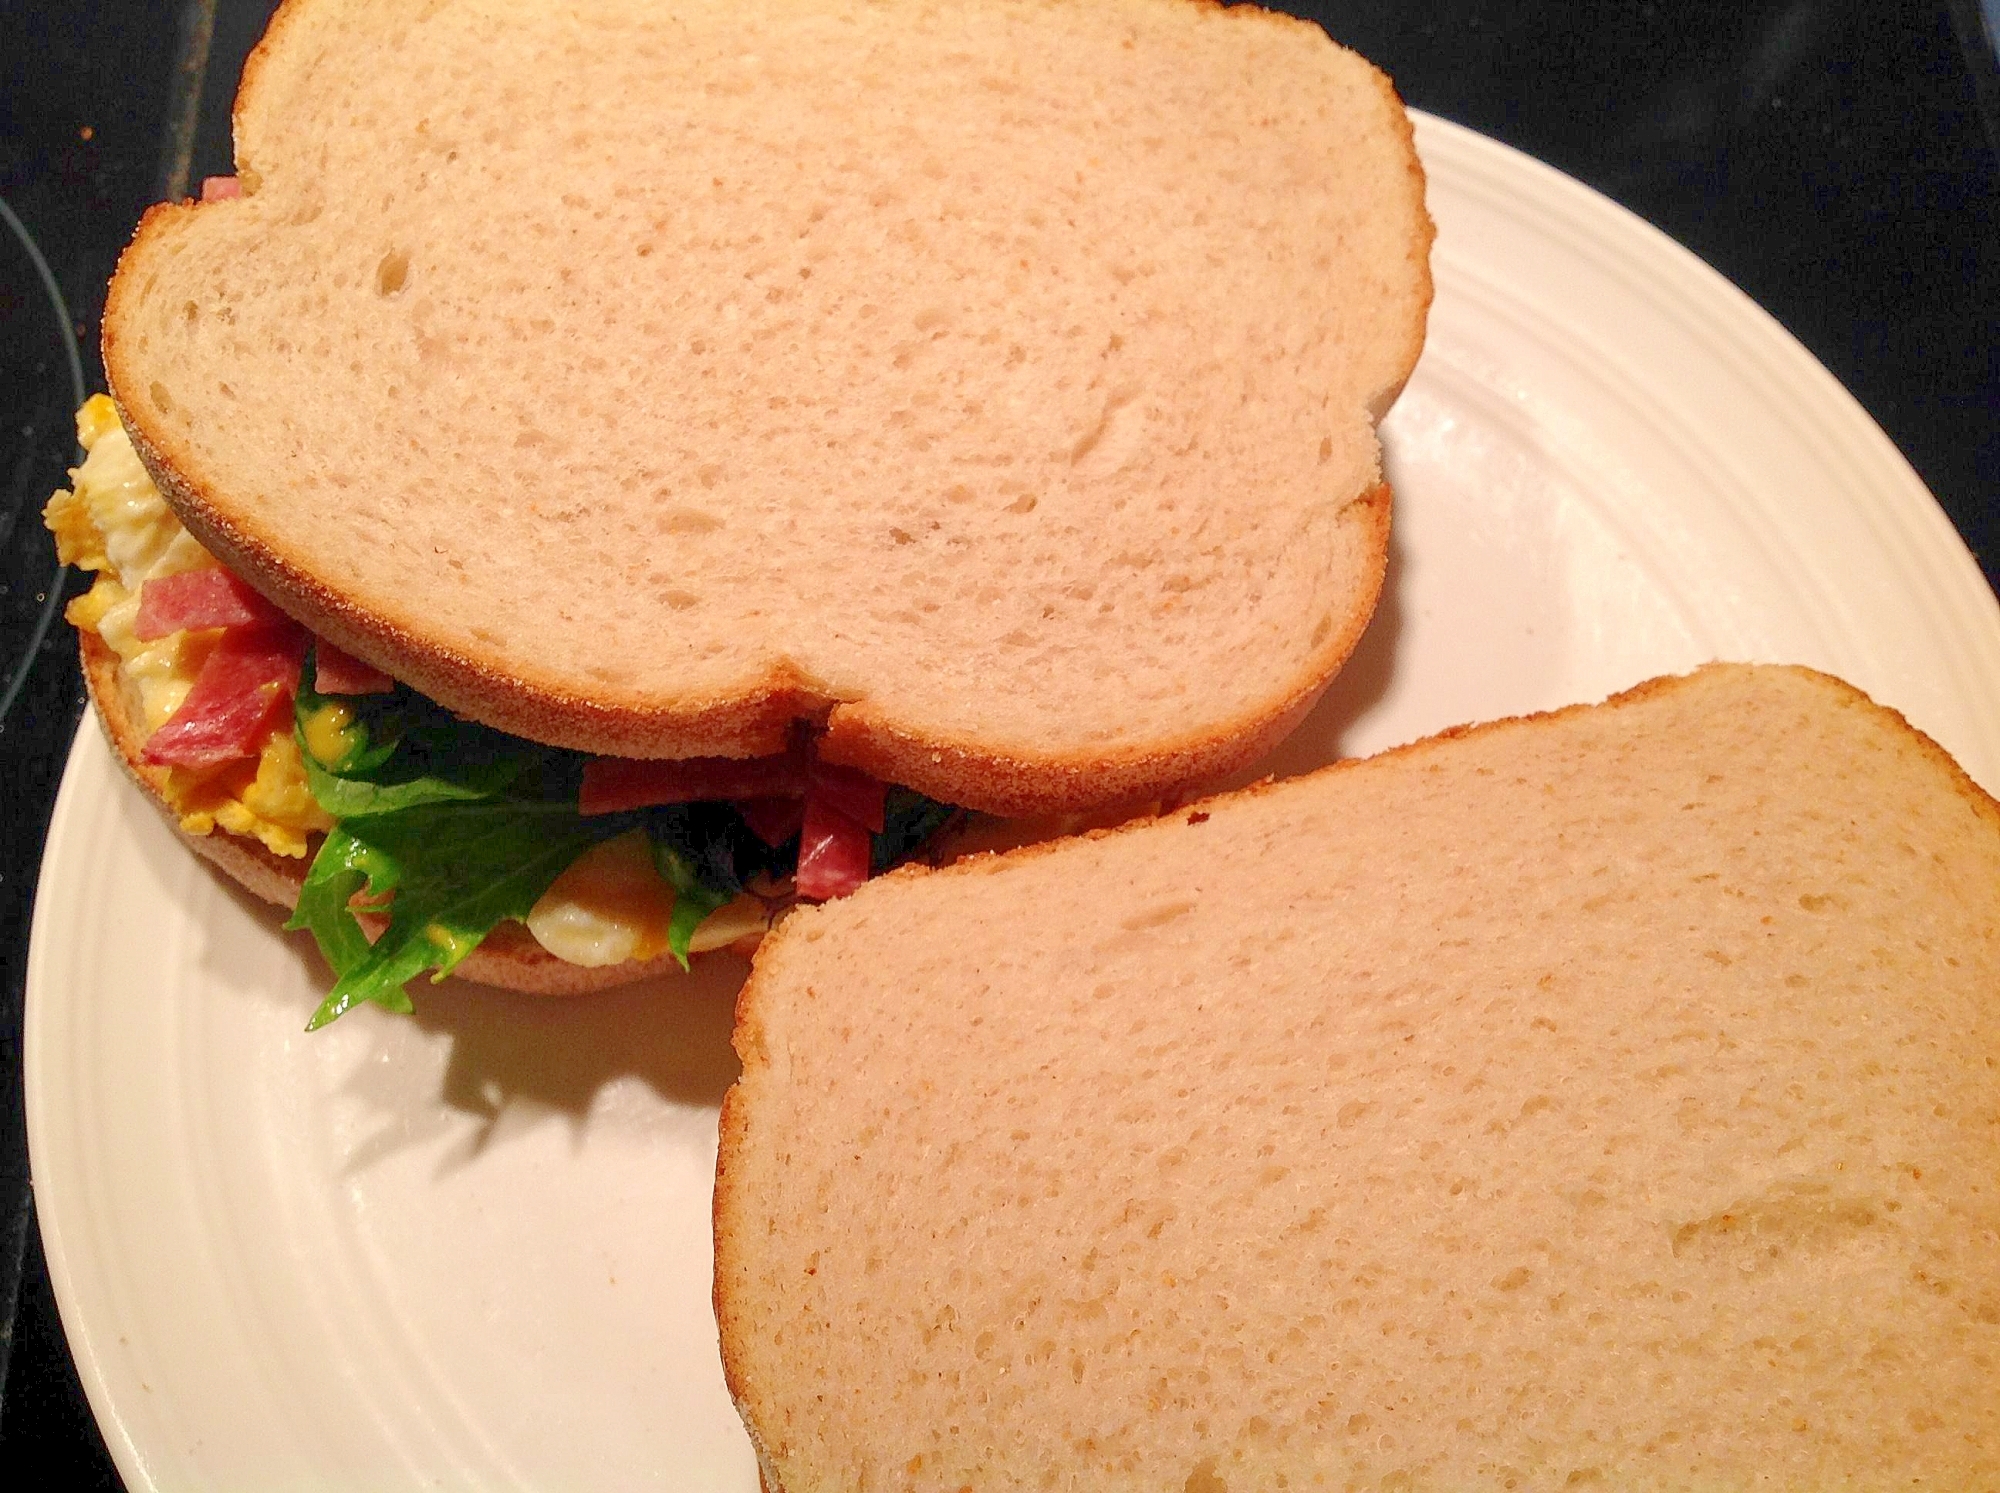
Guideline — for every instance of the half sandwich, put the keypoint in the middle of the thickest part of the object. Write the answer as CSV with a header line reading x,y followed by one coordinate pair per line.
x,y
987,392
1602,1099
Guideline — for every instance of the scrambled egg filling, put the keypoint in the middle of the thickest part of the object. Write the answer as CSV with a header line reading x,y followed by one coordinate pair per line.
x,y
115,523
610,906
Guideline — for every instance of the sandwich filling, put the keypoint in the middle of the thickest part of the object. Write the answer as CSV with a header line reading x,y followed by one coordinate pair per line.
x,y
435,829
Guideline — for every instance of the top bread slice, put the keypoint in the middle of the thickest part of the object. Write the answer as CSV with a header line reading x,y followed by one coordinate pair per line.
x,y
1603,1099
993,382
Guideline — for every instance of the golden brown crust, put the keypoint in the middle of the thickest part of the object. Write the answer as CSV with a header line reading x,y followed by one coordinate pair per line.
x,y
250,81
747,1038
731,1141
508,958
1420,252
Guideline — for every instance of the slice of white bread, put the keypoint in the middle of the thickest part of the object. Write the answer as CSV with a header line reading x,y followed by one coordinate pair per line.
x,y
1608,1098
994,380
508,957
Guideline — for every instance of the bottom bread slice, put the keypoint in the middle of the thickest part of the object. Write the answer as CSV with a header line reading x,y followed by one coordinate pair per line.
x,y
1606,1098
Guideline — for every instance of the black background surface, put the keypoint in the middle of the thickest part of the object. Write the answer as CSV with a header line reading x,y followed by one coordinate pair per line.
x,y
1836,160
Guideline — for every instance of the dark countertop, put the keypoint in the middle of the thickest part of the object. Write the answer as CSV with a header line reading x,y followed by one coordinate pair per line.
x,y
1838,161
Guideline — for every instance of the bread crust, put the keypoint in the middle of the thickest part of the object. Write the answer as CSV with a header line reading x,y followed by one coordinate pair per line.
x,y
508,958
873,733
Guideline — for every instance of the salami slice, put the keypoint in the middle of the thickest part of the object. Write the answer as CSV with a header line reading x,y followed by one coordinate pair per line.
x,y
242,694
200,599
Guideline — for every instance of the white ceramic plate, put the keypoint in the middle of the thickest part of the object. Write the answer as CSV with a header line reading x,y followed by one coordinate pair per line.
x,y
470,1249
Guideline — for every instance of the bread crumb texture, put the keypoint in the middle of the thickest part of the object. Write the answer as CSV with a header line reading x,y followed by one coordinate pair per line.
x,y
1002,374
1603,1099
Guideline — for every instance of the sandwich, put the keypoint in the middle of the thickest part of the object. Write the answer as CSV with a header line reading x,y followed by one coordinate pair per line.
x,y
1608,1098
874,411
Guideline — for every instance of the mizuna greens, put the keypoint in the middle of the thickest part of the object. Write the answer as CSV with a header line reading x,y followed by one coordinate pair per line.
x,y
459,826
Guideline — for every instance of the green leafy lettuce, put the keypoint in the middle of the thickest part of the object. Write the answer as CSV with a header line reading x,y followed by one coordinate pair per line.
x,y
463,825
908,820
447,828
455,873
694,899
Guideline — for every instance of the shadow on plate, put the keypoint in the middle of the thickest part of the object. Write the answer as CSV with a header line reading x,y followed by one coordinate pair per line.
x,y
514,1062
511,1060
559,1052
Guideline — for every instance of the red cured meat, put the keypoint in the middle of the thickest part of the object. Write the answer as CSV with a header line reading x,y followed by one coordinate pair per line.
x,y
243,693
772,820
199,599
217,188
338,673
612,784
834,852
850,790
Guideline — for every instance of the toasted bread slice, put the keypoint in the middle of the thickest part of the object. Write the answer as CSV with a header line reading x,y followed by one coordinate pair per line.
x,y
993,382
1605,1098
508,958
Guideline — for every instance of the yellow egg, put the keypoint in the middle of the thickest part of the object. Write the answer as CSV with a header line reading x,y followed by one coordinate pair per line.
x,y
98,417
330,732
114,521
277,806
612,905
77,540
